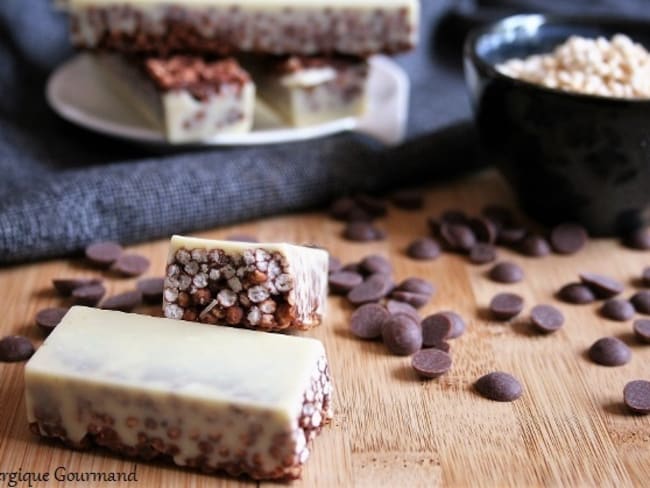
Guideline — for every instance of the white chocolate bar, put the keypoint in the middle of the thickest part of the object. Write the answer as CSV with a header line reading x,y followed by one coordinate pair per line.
x,y
355,27
183,117
266,286
214,398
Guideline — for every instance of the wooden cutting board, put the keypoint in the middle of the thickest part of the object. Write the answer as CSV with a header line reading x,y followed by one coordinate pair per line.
x,y
392,429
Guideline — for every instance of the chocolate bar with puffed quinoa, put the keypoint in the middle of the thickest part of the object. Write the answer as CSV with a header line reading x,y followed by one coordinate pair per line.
x,y
210,398
265,286
355,27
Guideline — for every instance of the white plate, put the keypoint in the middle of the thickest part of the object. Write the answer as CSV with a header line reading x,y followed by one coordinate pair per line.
x,y
77,93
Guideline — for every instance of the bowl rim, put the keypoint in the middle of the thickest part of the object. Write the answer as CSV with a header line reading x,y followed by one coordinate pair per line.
x,y
508,23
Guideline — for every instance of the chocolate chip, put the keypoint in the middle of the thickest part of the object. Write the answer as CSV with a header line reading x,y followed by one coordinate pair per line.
x,y
500,215
442,346
506,272
457,324
131,265
360,231
151,289
341,208
353,268
372,289
417,300
123,302
375,264
89,295
357,214
48,318
395,307
416,285
457,237
534,246
65,286
546,318
434,226
436,328
610,351
342,282
423,248
499,386
431,363
15,348
619,310
642,330
366,321
568,238
638,239
103,254
641,302
373,206
505,306
645,276
402,335
576,293
242,238
334,265
602,286
408,199
484,229
454,216
483,253
510,236
636,396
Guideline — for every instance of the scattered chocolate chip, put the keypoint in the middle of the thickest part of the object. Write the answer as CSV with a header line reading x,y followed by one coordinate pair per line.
x,y
638,239
610,351
505,306
434,226
342,282
395,307
124,302
366,321
645,276
48,318
457,324
457,237
376,264
615,309
501,216
15,348
436,328
602,286
372,289
454,216
431,363
506,272
242,238
442,346
402,335
334,265
89,295
360,231
373,206
65,286
484,229
568,238
103,254
416,285
131,265
534,246
353,268
499,386
151,289
642,330
636,396
423,248
511,236
483,253
546,318
408,199
357,214
576,293
417,300
341,208
641,302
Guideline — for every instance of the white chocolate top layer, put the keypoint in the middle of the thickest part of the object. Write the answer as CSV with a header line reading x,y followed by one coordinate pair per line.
x,y
215,365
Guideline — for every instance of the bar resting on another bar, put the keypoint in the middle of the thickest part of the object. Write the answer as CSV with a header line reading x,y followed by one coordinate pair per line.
x,y
265,286
211,398
354,27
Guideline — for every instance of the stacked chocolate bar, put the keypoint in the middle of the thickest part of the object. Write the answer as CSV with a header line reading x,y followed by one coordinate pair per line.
x,y
193,67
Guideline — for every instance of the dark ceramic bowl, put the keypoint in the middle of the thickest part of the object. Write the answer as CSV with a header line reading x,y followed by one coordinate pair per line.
x,y
569,157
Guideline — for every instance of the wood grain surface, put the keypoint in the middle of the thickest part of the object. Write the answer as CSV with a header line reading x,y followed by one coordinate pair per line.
x,y
391,429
